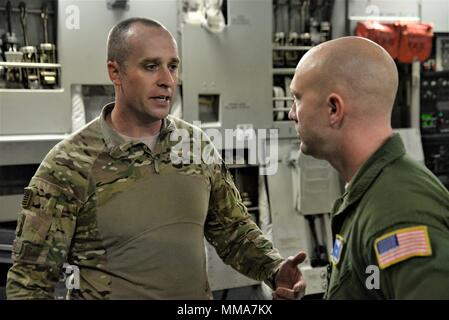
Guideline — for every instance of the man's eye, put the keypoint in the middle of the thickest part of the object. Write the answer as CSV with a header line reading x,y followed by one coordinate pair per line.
x,y
296,99
174,67
151,66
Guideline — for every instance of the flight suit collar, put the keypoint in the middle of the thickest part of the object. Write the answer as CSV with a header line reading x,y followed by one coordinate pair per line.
x,y
392,149
117,145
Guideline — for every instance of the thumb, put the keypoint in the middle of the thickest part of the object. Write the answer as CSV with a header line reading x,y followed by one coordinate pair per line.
x,y
300,257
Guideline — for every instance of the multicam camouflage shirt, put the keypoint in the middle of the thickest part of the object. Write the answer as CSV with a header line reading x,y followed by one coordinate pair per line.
x,y
131,220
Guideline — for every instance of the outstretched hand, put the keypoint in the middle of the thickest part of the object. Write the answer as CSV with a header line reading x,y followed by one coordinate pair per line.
x,y
289,280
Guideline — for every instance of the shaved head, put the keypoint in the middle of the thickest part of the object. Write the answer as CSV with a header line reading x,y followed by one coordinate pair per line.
x,y
356,68
343,95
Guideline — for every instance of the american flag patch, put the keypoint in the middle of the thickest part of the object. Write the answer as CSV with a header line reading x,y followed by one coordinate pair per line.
x,y
402,244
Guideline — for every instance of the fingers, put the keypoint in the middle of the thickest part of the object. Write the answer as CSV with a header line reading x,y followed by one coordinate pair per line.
x,y
300,287
289,294
299,258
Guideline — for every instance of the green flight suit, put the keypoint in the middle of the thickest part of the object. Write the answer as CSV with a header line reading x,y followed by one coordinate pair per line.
x,y
388,195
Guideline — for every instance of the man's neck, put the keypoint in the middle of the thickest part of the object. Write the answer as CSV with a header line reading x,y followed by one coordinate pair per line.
x,y
356,150
124,123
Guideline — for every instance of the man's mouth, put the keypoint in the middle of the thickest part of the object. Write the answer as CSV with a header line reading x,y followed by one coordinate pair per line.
x,y
161,98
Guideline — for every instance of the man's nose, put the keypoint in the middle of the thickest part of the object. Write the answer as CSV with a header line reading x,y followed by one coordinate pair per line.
x,y
292,112
167,78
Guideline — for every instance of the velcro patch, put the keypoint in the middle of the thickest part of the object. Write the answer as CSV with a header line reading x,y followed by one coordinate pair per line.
x,y
401,245
27,199
337,250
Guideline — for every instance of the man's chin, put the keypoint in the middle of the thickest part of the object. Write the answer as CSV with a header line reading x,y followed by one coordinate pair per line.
x,y
159,113
303,148
312,153
306,150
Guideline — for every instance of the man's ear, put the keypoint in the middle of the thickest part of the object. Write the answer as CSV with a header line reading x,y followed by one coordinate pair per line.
x,y
336,107
114,72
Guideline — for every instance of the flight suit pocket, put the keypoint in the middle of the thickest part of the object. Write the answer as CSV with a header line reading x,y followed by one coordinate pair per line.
x,y
339,279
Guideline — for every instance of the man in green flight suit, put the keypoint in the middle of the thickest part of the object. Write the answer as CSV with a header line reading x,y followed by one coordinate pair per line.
x,y
391,226
114,203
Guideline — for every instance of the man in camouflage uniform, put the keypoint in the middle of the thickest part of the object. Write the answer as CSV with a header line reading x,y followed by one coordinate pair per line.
x,y
116,201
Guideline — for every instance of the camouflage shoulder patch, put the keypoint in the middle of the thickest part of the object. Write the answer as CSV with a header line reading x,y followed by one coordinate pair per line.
x,y
402,244
27,199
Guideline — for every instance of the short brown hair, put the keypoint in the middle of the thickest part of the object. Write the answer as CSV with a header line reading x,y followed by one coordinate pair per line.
x,y
118,48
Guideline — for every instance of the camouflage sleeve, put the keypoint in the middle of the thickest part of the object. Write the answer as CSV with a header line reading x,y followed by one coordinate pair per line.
x,y
44,231
236,238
